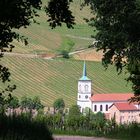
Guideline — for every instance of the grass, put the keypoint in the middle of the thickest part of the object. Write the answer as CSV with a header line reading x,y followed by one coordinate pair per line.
x,y
52,79
67,45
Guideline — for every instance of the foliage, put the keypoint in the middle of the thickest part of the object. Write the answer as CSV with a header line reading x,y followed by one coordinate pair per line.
x,y
58,12
125,132
74,117
30,103
59,104
65,54
89,124
19,15
22,127
13,102
37,103
118,25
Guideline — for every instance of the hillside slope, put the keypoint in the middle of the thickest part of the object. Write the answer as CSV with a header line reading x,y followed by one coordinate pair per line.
x,y
44,40
51,79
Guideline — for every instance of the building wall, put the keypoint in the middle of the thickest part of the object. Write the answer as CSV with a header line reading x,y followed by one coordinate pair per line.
x,y
105,106
83,105
84,94
122,117
84,86
138,106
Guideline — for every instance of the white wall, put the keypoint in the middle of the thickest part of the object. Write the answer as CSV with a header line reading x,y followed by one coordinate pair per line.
x,y
83,105
98,106
82,86
84,93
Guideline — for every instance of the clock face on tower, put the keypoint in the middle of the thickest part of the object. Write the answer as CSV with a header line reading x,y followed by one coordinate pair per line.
x,y
86,96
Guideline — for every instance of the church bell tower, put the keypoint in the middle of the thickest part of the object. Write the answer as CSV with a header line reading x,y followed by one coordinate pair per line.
x,y
84,90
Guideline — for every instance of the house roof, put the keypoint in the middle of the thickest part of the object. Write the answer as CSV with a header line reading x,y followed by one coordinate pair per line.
x,y
125,106
114,97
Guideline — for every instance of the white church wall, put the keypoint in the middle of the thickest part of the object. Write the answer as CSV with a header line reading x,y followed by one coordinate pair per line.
x,y
83,105
84,93
84,86
84,97
105,106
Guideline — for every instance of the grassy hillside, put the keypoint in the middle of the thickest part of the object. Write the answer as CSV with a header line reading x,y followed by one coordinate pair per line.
x,y
51,79
42,39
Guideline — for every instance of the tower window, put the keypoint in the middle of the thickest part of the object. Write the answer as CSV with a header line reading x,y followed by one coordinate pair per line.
x,y
79,96
95,107
86,87
101,108
106,107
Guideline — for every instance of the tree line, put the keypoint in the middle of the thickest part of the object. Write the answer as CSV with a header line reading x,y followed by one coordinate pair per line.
x,y
61,121
25,103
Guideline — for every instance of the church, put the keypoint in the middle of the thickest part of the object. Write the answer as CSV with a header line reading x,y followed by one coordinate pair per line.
x,y
102,102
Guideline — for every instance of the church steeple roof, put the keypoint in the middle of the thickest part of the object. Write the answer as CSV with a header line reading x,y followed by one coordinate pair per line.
x,y
84,77
84,69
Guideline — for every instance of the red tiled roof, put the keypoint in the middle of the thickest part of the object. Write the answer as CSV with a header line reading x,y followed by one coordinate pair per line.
x,y
114,97
124,106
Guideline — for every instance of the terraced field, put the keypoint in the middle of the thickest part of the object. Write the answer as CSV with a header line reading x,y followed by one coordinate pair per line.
x,y
51,79
42,39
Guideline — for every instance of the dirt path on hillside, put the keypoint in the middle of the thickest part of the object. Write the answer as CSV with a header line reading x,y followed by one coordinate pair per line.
x,y
79,37
84,54
77,138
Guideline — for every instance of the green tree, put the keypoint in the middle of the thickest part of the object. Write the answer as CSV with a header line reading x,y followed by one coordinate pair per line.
x,y
58,12
59,104
24,102
29,103
74,117
37,103
13,102
118,26
65,54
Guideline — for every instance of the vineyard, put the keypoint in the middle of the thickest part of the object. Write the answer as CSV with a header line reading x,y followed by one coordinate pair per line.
x,y
44,40
51,79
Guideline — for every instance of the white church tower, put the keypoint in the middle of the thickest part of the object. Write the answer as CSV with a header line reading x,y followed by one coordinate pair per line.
x,y
84,90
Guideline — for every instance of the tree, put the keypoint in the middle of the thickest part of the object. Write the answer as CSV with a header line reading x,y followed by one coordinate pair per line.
x,y
58,12
59,104
24,102
14,15
13,102
118,26
37,103
29,103
74,117
65,54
